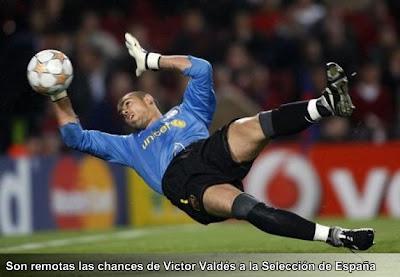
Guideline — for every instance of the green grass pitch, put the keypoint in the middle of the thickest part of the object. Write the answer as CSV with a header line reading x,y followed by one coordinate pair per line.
x,y
230,237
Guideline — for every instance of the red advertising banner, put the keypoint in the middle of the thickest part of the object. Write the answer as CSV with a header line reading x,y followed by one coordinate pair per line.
x,y
82,195
360,180
351,180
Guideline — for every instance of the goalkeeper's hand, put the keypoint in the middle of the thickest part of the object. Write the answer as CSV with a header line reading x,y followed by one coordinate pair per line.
x,y
144,60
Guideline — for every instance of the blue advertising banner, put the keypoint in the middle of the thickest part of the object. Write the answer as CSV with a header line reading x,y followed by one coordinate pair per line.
x,y
66,192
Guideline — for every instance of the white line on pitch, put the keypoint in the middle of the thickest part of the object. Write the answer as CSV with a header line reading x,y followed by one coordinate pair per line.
x,y
70,241
126,234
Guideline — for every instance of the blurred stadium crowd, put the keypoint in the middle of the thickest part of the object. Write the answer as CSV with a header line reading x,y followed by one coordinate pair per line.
x,y
264,53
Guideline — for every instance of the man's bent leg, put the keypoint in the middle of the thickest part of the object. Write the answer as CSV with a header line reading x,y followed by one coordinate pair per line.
x,y
248,136
287,224
292,118
275,221
295,117
246,139
227,201
218,199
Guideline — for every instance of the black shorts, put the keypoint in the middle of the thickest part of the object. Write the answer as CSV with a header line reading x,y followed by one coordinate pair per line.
x,y
202,164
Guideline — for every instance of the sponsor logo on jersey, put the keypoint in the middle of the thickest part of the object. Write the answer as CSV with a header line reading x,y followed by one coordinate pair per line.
x,y
179,123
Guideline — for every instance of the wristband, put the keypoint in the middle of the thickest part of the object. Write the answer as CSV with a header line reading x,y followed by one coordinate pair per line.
x,y
152,60
59,96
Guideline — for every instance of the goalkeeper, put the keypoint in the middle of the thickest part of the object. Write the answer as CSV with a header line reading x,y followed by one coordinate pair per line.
x,y
202,174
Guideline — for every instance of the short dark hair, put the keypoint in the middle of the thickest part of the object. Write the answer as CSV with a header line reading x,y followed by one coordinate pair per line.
x,y
137,94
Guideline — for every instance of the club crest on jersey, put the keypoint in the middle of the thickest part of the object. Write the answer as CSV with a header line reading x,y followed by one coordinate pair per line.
x,y
178,123
194,202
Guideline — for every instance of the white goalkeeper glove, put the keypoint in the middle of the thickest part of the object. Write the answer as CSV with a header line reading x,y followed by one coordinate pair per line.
x,y
58,96
144,60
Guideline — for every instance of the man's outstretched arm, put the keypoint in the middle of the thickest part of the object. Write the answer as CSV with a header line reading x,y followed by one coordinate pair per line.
x,y
108,147
199,97
64,112
149,60
175,62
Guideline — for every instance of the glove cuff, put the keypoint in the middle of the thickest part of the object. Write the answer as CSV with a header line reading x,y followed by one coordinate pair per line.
x,y
152,60
59,96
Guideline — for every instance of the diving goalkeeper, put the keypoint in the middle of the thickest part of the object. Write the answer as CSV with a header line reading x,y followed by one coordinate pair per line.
x,y
202,174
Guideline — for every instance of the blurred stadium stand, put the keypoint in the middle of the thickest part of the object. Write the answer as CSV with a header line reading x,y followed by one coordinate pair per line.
x,y
264,52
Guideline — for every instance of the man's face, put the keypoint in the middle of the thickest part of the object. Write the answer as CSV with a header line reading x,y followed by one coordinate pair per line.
x,y
135,112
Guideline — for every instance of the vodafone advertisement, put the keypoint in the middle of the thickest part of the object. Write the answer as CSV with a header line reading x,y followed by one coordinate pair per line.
x,y
68,192
350,180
